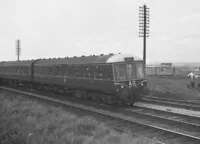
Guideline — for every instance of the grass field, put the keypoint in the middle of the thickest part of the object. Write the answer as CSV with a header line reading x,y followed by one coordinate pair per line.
x,y
171,86
24,121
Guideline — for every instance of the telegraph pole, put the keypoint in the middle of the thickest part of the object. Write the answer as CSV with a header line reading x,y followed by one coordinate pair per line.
x,y
18,49
144,28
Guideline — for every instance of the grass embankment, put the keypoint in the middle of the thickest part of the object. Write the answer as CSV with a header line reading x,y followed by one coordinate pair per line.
x,y
172,87
31,122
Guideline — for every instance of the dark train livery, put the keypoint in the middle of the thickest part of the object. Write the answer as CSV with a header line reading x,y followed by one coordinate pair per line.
x,y
113,78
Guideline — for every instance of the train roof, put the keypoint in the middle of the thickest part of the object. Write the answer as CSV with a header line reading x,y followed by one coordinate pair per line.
x,y
111,58
17,63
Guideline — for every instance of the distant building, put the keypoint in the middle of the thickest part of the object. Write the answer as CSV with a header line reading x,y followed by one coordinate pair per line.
x,y
168,65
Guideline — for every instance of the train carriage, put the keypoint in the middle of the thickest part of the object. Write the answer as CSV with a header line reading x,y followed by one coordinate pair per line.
x,y
113,78
16,70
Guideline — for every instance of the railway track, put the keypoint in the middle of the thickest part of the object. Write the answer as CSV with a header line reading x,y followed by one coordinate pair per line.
x,y
135,123
190,105
176,120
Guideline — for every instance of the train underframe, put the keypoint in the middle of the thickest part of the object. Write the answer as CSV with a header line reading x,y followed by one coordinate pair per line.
x,y
80,93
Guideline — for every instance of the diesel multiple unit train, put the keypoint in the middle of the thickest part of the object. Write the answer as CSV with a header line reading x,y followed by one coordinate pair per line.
x,y
112,78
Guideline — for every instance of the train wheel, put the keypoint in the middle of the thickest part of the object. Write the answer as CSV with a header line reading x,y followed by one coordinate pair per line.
x,y
61,90
39,87
95,97
85,95
92,96
117,104
9,83
78,94
105,99
14,84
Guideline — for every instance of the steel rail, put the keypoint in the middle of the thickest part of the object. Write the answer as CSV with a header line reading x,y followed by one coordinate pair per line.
x,y
193,102
187,119
166,118
171,103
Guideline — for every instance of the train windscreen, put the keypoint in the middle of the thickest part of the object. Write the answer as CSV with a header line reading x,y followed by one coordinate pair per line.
x,y
130,71
139,70
120,72
124,72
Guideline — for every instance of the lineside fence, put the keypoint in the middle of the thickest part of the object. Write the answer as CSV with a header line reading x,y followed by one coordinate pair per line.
x,y
166,71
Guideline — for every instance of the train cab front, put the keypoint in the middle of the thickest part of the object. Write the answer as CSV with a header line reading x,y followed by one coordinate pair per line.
x,y
130,81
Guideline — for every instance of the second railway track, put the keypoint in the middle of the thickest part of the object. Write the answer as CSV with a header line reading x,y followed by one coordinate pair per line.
x,y
147,125
178,122
190,105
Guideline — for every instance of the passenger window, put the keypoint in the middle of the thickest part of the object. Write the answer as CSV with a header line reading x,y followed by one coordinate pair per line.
x,y
56,70
86,72
108,72
71,71
50,70
81,71
66,69
61,70
96,72
76,71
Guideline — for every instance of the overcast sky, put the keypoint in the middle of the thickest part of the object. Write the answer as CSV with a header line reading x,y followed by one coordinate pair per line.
x,y
59,28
